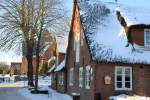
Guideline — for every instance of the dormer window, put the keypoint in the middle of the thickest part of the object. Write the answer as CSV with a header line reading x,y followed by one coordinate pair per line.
x,y
147,37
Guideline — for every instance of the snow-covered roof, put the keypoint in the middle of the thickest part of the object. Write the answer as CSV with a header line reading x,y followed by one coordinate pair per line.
x,y
62,43
52,68
44,47
105,35
60,66
135,15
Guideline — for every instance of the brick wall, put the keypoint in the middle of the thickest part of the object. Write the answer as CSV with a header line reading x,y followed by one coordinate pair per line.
x,y
61,87
84,60
138,36
24,65
141,80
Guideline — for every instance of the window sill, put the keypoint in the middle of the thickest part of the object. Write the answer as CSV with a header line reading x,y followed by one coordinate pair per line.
x,y
87,87
123,89
80,86
70,85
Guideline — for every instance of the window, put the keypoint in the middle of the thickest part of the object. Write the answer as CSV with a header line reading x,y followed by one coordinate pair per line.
x,y
77,46
62,77
53,78
61,80
81,77
147,37
58,79
71,77
123,78
77,51
87,77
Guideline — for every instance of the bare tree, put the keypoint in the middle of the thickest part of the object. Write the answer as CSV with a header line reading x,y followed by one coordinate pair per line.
x,y
4,68
24,21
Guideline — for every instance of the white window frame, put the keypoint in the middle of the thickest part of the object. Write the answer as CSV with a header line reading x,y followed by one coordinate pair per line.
x,y
71,72
87,77
145,43
81,77
123,78
62,78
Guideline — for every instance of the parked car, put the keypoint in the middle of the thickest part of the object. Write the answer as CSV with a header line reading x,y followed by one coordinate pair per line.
x,y
7,78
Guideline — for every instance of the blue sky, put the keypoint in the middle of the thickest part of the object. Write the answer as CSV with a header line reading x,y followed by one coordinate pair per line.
x,y
9,56
69,5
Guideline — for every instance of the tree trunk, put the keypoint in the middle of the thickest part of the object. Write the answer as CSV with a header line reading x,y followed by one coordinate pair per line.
x,y
37,66
30,66
38,56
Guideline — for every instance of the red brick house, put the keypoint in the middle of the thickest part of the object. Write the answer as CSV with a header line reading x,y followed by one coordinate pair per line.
x,y
15,68
108,51
58,71
47,50
24,65
59,74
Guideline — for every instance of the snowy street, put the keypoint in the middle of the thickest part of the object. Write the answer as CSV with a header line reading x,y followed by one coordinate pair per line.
x,y
11,94
19,91
53,95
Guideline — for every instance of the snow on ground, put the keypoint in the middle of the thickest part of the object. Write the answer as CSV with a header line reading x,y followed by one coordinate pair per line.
x,y
53,95
14,84
126,97
43,81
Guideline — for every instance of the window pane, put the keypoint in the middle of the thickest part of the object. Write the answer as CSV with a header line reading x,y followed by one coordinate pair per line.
x,y
119,84
81,77
127,71
127,78
127,84
71,76
148,37
119,78
88,76
119,71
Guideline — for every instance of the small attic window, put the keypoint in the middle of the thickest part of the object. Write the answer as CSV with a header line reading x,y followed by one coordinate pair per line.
x,y
147,37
